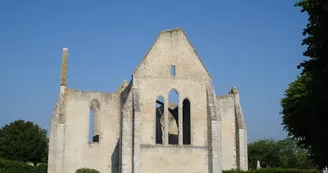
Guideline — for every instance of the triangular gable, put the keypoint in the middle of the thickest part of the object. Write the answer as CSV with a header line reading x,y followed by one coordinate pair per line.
x,y
171,31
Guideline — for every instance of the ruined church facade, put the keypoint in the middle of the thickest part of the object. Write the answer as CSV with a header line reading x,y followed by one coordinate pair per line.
x,y
137,130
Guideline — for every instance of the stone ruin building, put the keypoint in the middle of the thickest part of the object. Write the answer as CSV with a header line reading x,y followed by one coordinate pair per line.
x,y
137,130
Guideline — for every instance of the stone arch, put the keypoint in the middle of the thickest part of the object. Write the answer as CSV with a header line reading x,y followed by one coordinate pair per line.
x,y
94,121
173,116
159,120
186,121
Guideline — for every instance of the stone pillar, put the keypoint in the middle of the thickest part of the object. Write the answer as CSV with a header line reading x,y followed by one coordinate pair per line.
x,y
126,142
60,148
126,162
215,136
63,75
60,134
241,133
180,119
166,121
52,154
57,133
136,131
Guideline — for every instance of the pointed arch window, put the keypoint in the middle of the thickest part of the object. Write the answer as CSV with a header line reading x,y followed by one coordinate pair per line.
x,y
159,114
173,117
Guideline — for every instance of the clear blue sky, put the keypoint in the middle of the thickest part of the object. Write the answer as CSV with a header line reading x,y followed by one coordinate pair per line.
x,y
254,45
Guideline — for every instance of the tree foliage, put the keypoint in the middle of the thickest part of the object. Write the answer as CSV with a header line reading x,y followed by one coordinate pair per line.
x,y
304,107
10,166
295,105
23,141
280,153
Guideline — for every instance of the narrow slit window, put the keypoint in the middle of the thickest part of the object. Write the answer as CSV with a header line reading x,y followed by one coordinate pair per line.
x,y
172,70
91,126
186,121
94,121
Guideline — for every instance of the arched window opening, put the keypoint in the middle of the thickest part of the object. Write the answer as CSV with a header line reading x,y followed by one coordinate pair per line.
x,y
173,117
91,126
94,121
186,121
159,120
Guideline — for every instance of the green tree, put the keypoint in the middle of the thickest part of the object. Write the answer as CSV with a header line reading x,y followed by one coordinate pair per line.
x,y
280,153
23,141
293,156
263,150
304,106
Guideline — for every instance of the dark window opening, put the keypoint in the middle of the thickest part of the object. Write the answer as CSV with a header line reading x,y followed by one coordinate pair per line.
x,y
186,122
159,120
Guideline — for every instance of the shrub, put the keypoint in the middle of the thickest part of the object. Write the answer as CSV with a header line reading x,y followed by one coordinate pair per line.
x,y
41,168
10,166
86,170
274,170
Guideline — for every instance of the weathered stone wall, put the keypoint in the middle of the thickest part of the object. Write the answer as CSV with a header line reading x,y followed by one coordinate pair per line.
x,y
52,154
147,125
126,119
127,130
172,48
79,153
214,134
57,123
173,159
196,95
153,78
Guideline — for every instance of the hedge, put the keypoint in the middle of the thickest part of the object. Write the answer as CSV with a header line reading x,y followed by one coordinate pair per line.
x,y
9,166
86,170
274,170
